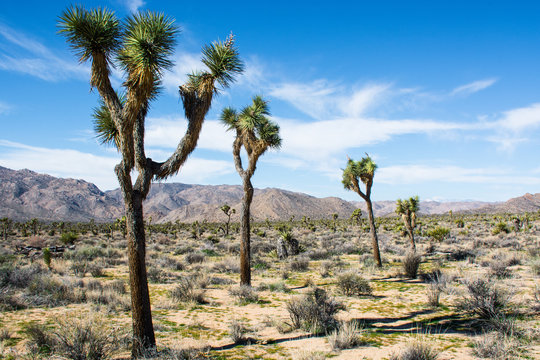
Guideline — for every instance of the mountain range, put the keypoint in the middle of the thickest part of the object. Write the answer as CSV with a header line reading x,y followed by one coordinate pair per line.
x,y
25,194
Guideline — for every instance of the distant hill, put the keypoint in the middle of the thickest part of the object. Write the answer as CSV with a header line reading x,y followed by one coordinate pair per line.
x,y
25,194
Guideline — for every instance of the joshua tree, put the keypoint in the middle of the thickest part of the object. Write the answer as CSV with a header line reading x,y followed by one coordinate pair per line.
x,y
363,171
142,46
228,211
6,227
407,209
256,133
356,216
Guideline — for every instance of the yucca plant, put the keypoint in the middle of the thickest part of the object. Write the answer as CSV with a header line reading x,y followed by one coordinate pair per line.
x,y
407,209
142,46
358,172
256,133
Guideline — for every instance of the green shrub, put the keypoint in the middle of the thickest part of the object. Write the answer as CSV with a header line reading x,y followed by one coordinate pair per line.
x,y
351,284
501,227
439,233
314,312
47,257
68,238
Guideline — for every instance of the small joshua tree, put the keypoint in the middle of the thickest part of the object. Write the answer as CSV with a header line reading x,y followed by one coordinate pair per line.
x,y
255,133
407,209
228,211
6,227
356,216
363,171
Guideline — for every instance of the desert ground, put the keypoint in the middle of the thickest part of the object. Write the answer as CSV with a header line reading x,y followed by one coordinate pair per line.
x,y
471,291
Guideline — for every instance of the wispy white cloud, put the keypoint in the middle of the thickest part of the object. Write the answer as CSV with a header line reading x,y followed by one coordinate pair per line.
x,y
473,87
65,163
20,53
167,132
419,174
134,5
69,163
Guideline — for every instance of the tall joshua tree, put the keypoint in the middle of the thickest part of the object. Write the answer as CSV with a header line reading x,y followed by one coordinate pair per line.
x,y
227,210
255,133
142,46
407,209
363,171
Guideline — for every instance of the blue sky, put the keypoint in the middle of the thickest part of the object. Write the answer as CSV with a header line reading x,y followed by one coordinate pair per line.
x,y
445,97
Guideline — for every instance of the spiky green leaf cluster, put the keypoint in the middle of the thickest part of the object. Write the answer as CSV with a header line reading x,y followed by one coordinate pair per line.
x,y
253,120
223,61
91,31
149,40
106,131
355,170
407,206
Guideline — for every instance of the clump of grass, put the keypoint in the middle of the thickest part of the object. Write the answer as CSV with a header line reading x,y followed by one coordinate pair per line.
x,y
238,331
494,346
347,336
278,286
485,299
416,351
410,264
314,312
353,284
299,264
194,258
244,294
187,291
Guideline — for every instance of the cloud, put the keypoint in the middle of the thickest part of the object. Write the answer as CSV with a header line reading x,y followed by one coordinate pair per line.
x,y
68,163
28,56
514,126
184,63
134,5
418,174
167,132
473,87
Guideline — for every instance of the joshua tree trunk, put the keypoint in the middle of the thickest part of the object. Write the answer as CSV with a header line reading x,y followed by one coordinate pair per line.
x,y
245,245
141,314
410,232
373,229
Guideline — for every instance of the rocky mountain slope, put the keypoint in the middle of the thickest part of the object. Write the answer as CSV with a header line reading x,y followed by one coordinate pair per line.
x,y
25,194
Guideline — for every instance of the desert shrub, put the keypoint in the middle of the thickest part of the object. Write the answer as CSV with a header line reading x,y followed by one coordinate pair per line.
x,y
50,291
95,269
216,280
314,312
439,233
351,284
318,254
87,339
499,269
21,277
118,286
416,351
79,268
274,287
461,254
187,291
238,331
347,336
500,227
325,267
228,265
494,346
194,258
68,238
410,264
484,299
535,267
47,257
244,294
299,264
40,340
86,253
156,275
